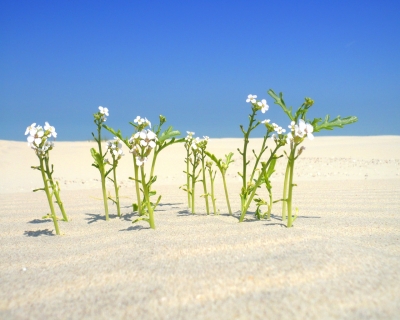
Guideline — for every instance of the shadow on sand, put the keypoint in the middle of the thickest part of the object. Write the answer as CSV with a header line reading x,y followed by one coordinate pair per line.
x,y
38,233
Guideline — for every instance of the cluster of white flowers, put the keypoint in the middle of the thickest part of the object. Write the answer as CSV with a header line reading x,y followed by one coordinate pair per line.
x,y
200,143
104,113
300,130
143,142
142,121
38,136
262,105
278,129
115,147
189,136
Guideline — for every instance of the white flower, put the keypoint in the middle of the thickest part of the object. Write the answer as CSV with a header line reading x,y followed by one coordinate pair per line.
x,y
306,128
103,111
31,129
265,121
263,105
292,126
206,138
148,122
51,129
141,161
251,98
190,133
279,130
151,135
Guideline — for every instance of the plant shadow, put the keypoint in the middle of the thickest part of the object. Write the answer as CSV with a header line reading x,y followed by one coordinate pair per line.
x,y
35,221
92,217
38,233
135,228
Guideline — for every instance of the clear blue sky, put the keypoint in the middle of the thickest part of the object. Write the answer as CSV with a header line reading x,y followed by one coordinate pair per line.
x,y
195,62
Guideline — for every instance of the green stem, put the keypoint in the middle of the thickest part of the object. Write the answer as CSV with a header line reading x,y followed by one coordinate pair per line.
x,y
212,191
116,188
56,189
257,184
285,191
226,194
290,191
147,199
102,173
259,157
49,196
188,175
137,187
204,182
193,181
244,156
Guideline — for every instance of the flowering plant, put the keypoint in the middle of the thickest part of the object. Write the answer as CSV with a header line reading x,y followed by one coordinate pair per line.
x,y
38,141
300,129
223,167
141,144
115,149
100,161
251,183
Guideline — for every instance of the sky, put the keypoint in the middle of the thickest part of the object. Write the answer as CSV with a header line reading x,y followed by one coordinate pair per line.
x,y
195,62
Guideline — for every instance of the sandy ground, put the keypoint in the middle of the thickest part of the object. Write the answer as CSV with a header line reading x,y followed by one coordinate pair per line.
x,y
340,260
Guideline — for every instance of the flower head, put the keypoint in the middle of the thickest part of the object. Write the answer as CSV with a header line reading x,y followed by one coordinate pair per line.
x,y
263,105
115,148
50,129
251,98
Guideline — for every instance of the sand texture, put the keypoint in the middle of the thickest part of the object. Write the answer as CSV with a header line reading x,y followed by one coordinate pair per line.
x,y
341,260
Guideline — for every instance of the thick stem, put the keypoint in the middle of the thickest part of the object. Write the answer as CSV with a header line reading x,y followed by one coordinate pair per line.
x,y
137,187
257,184
193,182
49,196
285,191
56,189
116,188
226,194
259,157
188,176
212,191
102,173
147,199
103,187
244,156
204,183
290,192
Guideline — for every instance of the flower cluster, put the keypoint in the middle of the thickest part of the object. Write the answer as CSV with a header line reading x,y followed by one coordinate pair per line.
x,y
260,105
200,143
142,142
299,131
115,148
38,138
142,122
103,113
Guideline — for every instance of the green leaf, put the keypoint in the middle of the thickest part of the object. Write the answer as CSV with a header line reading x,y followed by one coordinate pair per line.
x,y
168,134
279,101
329,125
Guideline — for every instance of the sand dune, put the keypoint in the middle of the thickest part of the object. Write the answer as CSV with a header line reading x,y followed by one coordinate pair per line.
x,y
341,259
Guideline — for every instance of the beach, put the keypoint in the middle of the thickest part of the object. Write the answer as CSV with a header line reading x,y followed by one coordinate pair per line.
x,y
341,260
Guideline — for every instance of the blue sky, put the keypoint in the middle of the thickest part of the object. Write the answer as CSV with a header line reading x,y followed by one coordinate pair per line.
x,y
195,62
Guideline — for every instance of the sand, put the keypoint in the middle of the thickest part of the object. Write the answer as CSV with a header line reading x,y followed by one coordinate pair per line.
x,y
340,260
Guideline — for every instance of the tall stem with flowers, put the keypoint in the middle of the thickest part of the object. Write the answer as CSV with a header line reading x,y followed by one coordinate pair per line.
x,y
249,187
99,158
301,128
115,149
38,141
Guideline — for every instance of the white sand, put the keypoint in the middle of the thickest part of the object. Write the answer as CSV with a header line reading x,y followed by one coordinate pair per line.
x,y
341,259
